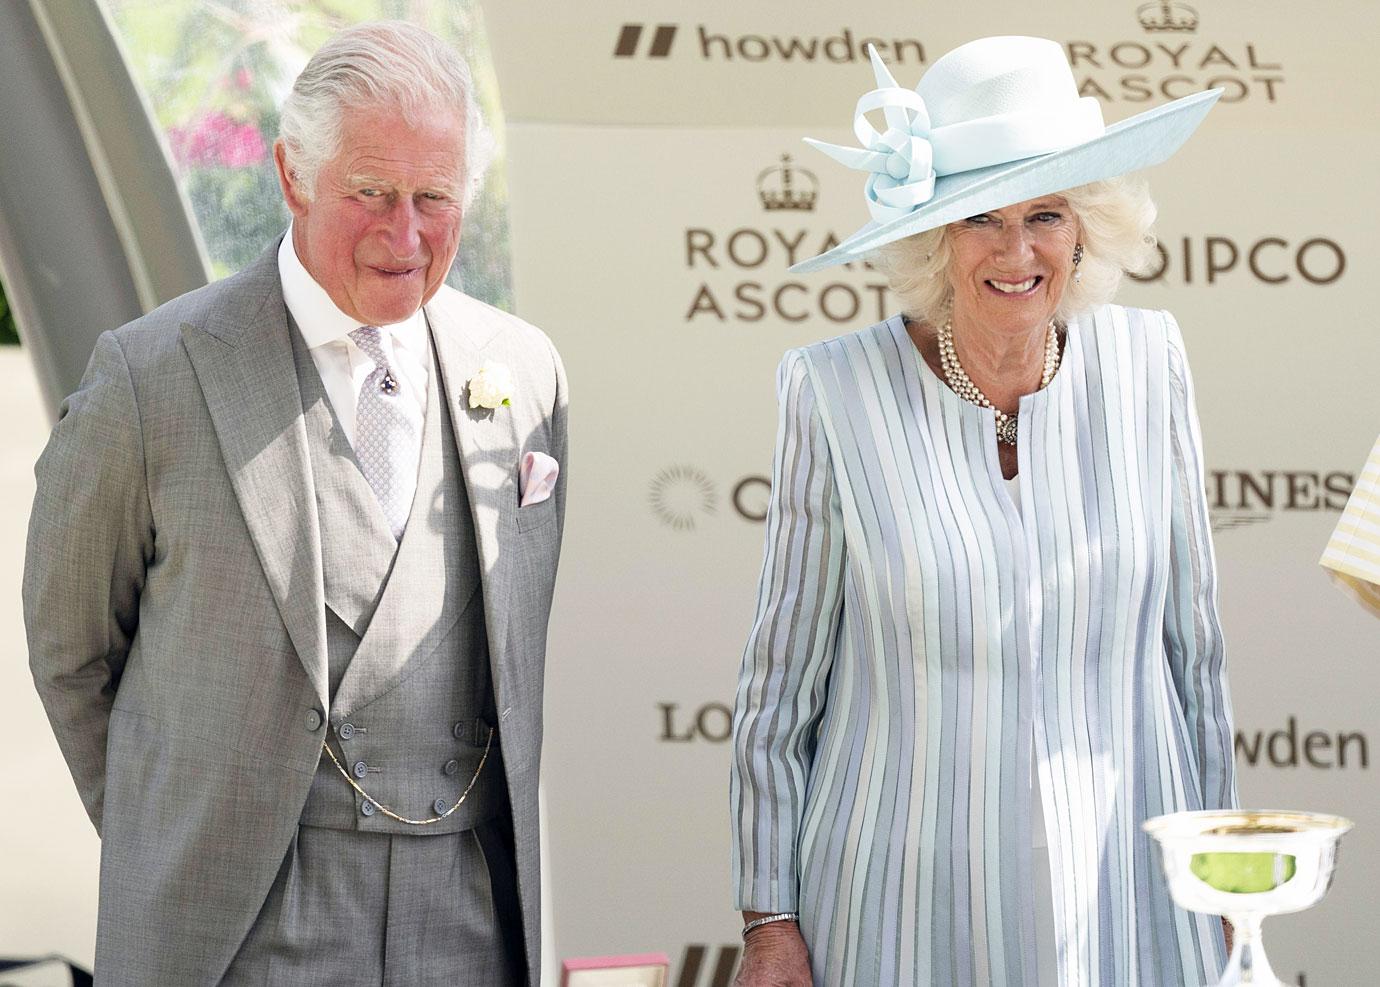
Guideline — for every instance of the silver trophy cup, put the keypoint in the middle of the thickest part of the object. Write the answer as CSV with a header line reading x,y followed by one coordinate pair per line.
x,y
1247,865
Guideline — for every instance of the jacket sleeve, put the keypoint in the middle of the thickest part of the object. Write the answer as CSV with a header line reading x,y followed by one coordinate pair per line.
x,y
1192,629
782,686
90,539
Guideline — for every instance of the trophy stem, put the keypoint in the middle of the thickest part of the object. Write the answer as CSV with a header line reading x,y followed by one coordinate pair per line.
x,y
1248,963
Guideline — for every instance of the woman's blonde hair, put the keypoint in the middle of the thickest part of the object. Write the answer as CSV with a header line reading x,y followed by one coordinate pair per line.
x,y
1115,217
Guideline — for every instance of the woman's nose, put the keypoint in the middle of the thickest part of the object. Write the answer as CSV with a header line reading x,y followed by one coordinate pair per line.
x,y
1016,242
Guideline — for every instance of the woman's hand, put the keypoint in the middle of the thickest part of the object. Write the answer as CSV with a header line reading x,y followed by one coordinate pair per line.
x,y
774,955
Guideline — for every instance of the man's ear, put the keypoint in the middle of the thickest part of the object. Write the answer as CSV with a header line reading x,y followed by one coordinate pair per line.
x,y
288,181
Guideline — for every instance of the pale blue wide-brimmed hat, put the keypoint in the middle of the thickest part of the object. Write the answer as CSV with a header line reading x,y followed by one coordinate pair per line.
x,y
994,122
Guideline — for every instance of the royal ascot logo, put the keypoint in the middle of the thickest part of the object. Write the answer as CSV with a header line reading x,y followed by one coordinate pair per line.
x,y
778,187
739,275
681,495
1168,62
1245,498
1167,17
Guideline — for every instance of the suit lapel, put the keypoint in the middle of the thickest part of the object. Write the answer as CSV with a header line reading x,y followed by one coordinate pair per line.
x,y
243,362
488,447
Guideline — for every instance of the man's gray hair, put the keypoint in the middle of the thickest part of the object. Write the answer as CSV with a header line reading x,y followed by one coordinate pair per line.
x,y
384,63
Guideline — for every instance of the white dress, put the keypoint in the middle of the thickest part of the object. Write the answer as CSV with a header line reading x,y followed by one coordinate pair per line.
x,y
1044,889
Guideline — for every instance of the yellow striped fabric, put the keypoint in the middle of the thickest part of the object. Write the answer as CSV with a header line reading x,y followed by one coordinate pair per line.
x,y
1352,557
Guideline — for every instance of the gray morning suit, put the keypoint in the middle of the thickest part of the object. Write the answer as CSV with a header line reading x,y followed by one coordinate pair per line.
x,y
211,590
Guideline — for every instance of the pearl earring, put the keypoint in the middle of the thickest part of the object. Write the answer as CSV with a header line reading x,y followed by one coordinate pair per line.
x,y
1077,259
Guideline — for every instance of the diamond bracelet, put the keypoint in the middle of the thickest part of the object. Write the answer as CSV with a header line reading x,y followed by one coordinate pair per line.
x,y
768,919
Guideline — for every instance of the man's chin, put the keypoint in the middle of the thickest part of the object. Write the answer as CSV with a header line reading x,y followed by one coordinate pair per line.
x,y
387,312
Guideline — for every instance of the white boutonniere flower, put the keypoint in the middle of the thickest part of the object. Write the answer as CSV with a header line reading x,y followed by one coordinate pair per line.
x,y
492,387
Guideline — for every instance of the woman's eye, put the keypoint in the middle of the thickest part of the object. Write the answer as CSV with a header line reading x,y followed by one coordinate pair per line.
x,y
1048,217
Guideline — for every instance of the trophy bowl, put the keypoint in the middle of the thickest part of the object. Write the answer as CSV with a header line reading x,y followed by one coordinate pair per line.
x,y
1245,865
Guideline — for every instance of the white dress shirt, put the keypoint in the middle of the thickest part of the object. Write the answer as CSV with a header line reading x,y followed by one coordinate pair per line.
x,y
343,366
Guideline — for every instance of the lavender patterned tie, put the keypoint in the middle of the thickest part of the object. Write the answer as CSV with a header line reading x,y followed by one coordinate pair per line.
x,y
386,440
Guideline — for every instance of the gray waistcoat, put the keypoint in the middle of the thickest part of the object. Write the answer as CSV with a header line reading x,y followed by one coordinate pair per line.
x,y
411,698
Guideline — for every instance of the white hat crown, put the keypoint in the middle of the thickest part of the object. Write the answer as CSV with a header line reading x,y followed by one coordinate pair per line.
x,y
985,103
996,77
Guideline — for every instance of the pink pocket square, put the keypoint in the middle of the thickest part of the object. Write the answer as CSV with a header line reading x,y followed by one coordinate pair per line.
x,y
537,478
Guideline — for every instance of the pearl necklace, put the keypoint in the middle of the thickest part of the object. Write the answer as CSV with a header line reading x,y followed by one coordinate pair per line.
x,y
964,387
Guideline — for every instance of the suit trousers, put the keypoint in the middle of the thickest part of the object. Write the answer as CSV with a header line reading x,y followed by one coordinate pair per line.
x,y
357,908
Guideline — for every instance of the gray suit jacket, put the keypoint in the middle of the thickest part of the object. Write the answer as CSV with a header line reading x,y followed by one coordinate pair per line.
x,y
174,605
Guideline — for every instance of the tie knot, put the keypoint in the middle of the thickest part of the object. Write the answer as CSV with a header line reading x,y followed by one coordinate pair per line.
x,y
368,339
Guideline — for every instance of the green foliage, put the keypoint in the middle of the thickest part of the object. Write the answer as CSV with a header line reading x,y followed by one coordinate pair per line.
x,y
482,267
240,212
9,332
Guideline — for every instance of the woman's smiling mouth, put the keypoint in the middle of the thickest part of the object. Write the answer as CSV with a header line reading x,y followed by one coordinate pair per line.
x,y
1016,287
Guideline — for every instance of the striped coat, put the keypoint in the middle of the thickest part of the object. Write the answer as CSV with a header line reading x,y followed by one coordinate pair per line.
x,y
920,646
1352,556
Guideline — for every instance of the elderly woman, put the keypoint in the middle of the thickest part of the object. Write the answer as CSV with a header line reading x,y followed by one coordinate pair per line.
x,y
986,645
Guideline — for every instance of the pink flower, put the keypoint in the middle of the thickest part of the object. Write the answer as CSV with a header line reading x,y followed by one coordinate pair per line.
x,y
243,147
214,139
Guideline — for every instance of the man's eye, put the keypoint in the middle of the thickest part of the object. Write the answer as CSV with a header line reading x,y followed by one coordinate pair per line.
x,y
371,193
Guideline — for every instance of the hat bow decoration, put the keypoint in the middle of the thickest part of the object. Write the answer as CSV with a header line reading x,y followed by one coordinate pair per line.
x,y
900,159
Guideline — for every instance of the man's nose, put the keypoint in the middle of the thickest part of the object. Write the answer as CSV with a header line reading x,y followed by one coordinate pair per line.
x,y
402,228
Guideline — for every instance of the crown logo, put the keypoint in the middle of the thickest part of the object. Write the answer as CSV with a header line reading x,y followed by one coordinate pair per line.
x,y
1167,15
777,187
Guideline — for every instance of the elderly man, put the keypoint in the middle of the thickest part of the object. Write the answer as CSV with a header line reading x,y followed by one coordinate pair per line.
x,y
289,573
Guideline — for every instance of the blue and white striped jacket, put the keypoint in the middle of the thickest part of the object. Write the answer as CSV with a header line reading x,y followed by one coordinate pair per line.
x,y
920,646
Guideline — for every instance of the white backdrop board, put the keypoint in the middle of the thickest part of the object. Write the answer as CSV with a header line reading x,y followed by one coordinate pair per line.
x,y
646,145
